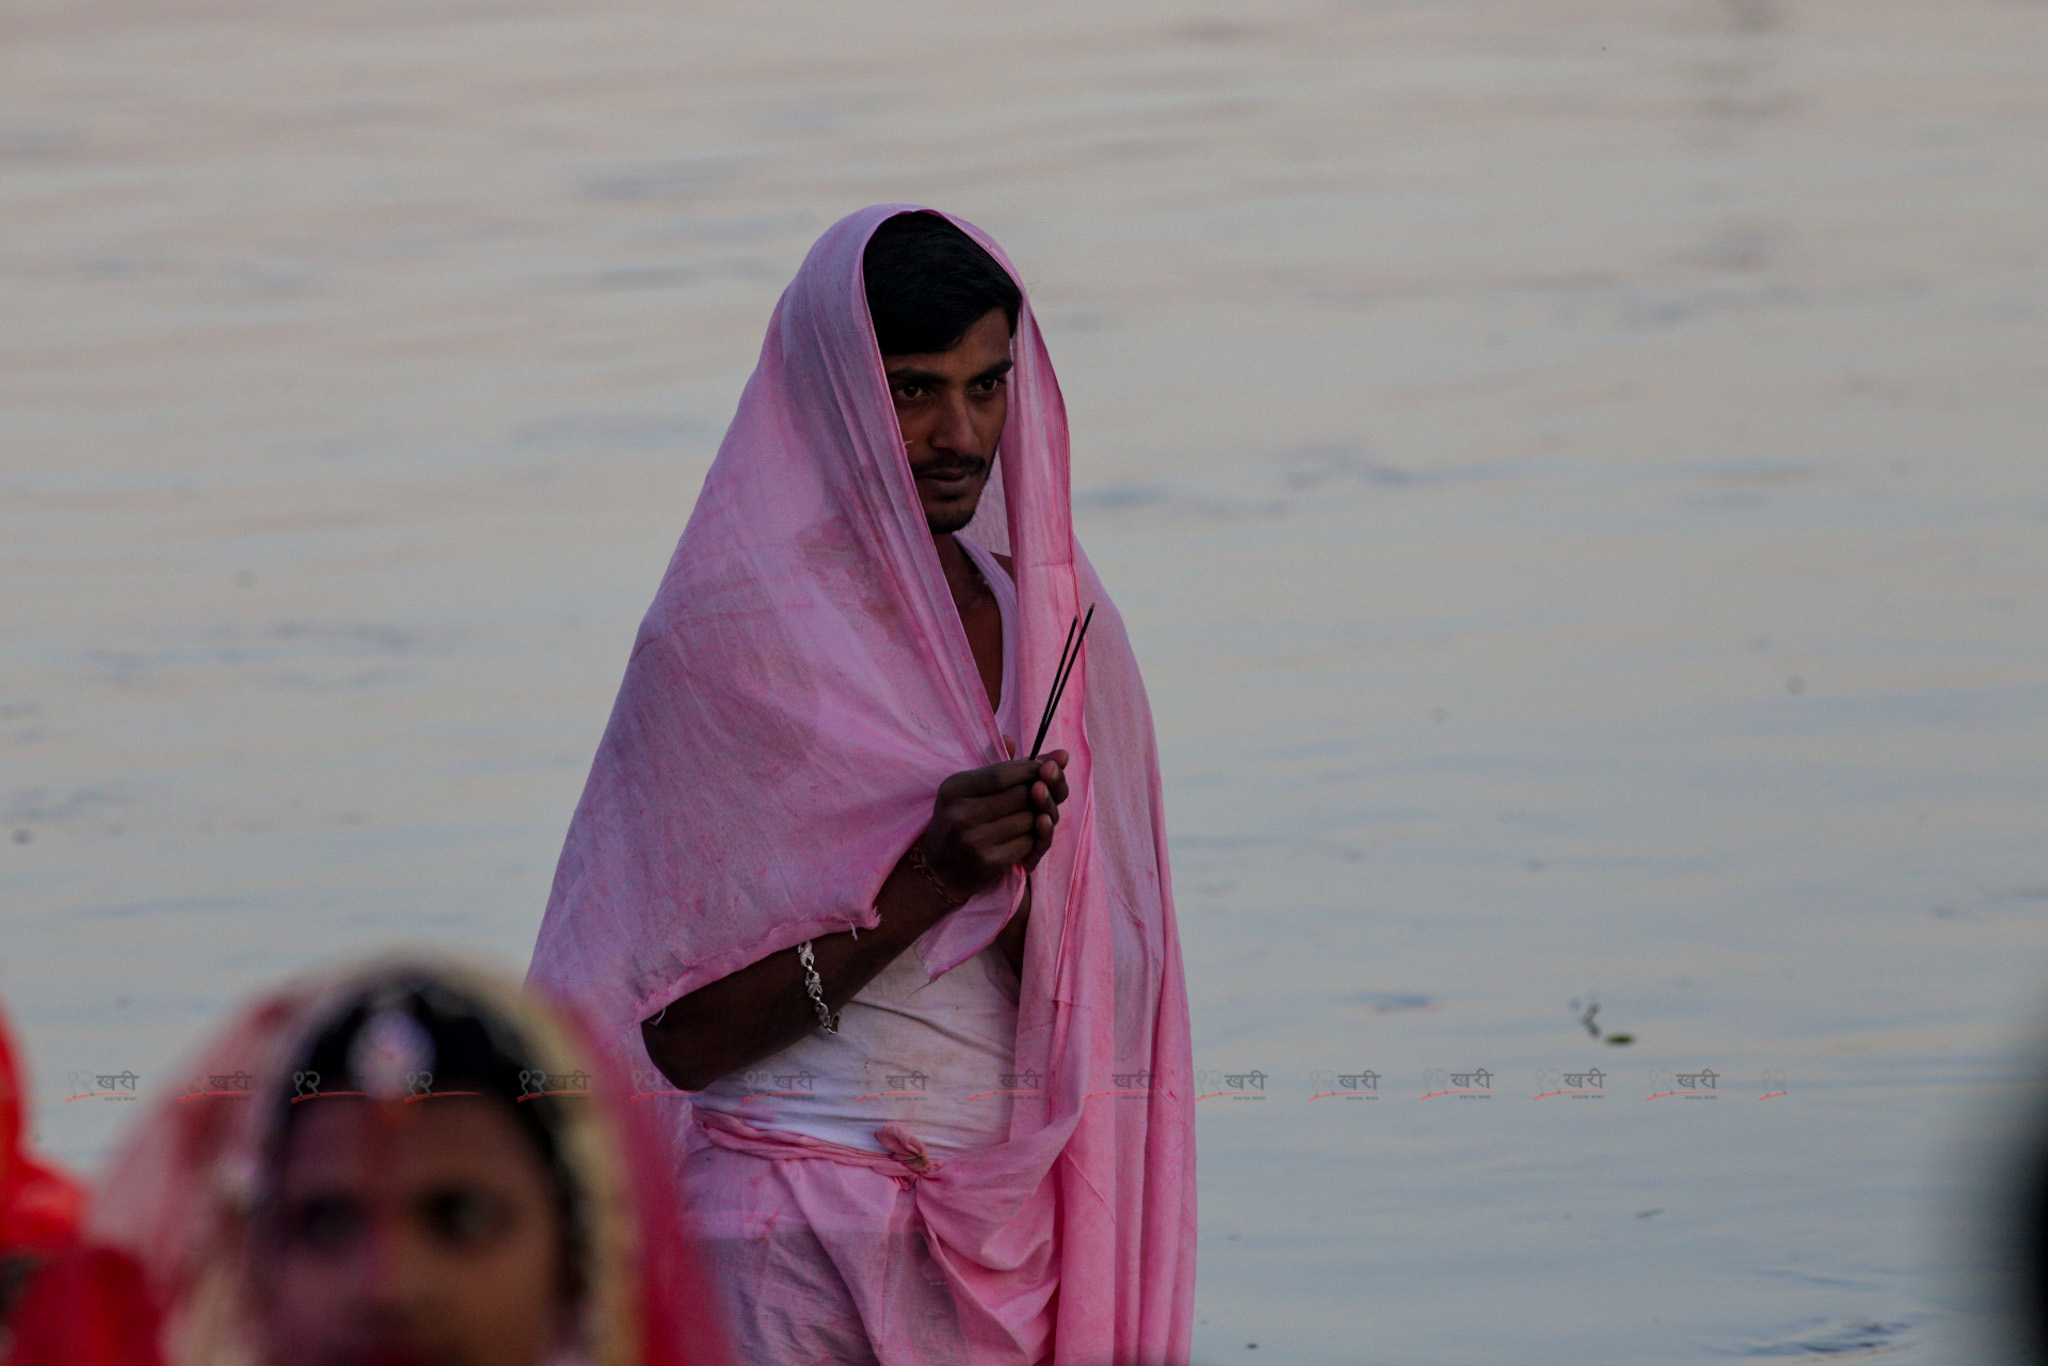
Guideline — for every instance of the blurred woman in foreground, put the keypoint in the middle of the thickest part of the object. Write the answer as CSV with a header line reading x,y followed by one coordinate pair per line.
x,y
404,1164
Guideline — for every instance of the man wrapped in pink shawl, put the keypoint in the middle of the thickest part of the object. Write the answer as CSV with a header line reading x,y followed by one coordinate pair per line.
x,y
921,982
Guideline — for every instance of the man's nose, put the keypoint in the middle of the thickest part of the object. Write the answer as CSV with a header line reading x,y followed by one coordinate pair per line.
x,y
954,431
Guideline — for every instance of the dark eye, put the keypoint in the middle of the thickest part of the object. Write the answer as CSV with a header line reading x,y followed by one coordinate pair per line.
x,y
989,386
466,1217
909,392
325,1224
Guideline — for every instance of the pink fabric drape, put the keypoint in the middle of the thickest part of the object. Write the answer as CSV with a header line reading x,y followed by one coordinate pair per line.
x,y
798,690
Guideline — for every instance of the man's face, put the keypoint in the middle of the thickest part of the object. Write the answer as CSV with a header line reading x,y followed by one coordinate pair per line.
x,y
951,406
430,1238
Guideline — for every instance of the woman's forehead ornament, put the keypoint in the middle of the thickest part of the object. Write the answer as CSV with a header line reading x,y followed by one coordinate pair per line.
x,y
393,1056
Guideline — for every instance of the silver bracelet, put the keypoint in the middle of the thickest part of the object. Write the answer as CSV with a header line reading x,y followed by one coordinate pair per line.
x,y
827,1020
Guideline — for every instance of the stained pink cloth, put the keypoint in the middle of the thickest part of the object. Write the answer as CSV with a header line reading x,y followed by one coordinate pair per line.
x,y
799,689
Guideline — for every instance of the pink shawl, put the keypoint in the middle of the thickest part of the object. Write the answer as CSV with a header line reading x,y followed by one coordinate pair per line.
x,y
798,690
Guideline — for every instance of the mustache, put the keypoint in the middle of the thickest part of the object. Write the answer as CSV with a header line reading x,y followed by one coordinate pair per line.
x,y
945,466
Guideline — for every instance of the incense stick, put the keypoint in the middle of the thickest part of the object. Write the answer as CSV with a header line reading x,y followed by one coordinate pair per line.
x,y
1059,685
1070,654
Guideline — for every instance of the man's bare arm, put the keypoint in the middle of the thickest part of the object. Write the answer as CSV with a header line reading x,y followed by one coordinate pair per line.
x,y
984,822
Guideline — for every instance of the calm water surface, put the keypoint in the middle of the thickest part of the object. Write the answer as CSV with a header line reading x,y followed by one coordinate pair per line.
x,y
1572,471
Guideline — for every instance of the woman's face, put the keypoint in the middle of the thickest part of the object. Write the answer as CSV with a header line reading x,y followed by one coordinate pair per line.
x,y
421,1234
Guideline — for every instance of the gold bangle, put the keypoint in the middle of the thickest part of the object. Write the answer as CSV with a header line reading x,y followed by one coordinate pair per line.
x,y
931,875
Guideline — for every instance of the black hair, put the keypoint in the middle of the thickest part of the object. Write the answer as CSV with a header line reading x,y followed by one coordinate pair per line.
x,y
471,1049
928,282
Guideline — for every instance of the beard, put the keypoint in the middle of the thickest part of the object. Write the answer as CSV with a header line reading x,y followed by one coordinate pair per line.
x,y
952,519
955,513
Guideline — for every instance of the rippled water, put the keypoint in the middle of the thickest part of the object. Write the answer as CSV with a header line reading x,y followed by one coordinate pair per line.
x,y
1572,472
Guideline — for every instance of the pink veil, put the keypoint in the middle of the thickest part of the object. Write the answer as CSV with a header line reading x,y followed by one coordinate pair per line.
x,y
797,692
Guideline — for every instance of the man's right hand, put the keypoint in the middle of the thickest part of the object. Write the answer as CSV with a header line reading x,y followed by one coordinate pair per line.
x,y
984,822
987,820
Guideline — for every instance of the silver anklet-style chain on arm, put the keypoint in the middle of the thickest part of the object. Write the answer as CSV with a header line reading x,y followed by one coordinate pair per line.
x,y
827,1019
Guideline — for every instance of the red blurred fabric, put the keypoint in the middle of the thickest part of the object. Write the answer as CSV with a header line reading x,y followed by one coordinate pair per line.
x,y
77,1306
87,1306
39,1206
